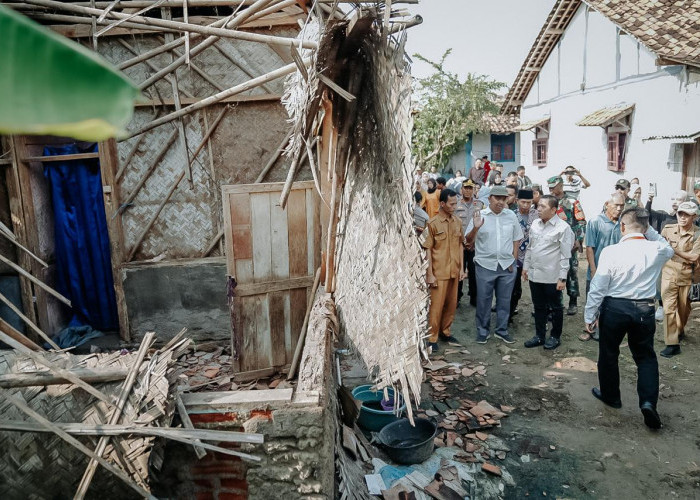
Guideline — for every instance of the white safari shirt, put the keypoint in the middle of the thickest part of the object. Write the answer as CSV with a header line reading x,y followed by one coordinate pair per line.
x,y
547,256
494,240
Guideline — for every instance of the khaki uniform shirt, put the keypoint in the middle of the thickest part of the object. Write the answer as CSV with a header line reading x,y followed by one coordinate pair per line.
x,y
443,239
679,270
465,211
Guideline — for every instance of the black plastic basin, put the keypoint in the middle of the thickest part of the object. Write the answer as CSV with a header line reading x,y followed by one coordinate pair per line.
x,y
406,444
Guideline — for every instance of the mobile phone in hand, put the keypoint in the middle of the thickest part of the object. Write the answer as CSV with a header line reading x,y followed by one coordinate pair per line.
x,y
652,189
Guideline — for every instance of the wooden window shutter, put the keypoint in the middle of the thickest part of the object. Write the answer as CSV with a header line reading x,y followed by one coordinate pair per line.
x,y
496,152
508,152
613,152
539,152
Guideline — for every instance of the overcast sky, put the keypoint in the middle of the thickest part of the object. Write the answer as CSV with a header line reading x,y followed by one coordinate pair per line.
x,y
489,37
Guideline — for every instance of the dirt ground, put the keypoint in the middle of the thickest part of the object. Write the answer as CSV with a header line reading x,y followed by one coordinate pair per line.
x,y
599,452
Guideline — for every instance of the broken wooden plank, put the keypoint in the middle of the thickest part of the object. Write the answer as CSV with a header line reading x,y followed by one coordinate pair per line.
x,y
52,158
18,336
244,290
235,398
305,326
92,376
7,233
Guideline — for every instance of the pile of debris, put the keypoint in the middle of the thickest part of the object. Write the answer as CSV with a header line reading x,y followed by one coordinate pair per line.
x,y
105,409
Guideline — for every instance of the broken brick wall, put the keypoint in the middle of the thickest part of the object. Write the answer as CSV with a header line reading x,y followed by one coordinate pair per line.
x,y
297,458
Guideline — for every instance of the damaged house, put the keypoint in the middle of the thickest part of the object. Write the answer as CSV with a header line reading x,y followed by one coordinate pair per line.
x,y
245,217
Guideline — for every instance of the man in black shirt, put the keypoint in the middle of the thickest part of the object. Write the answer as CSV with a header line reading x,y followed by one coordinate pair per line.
x,y
659,218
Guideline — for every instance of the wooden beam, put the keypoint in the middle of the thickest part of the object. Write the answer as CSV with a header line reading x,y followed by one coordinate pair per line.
x,y
5,231
232,399
21,405
17,335
273,159
213,243
187,423
56,158
92,376
296,359
53,368
244,290
138,4
109,164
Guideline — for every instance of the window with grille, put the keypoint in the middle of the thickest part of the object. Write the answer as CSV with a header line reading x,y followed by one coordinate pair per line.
x,y
539,152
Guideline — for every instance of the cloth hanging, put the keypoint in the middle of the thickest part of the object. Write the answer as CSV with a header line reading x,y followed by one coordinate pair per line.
x,y
83,266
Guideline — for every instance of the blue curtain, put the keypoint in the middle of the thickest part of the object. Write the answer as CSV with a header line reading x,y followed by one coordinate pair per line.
x,y
84,272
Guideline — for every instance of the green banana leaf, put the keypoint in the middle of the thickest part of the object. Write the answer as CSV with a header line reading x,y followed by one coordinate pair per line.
x,y
51,85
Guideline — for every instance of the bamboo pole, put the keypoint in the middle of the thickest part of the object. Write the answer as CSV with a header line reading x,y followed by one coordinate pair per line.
x,y
56,370
28,321
213,243
7,233
17,335
232,22
304,328
187,424
137,4
35,280
82,429
14,380
87,20
153,22
115,415
243,87
21,405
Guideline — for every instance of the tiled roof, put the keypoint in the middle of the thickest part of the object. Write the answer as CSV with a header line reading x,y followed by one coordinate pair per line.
x,y
669,28
677,138
501,124
532,124
606,116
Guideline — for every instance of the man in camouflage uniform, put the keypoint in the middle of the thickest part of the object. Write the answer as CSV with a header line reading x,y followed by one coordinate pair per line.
x,y
466,207
570,211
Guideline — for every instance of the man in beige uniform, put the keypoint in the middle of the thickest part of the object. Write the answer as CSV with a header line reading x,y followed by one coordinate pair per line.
x,y
677,275
443,239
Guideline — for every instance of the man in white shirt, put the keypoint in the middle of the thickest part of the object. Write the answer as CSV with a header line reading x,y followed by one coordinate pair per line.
x,y
621,301
495,233
546,266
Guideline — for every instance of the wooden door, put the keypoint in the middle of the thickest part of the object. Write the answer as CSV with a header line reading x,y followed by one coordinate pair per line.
x,y
273,255
691,165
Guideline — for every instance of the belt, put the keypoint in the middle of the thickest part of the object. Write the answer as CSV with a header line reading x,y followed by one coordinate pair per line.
x,y
634,301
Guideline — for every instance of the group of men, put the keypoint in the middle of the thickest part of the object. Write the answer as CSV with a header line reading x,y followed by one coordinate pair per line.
x,y
517,234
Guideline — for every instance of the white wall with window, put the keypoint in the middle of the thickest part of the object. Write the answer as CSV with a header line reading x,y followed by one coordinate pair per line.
x,y
596,66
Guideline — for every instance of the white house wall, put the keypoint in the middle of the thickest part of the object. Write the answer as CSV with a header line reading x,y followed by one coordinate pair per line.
x,y
665,104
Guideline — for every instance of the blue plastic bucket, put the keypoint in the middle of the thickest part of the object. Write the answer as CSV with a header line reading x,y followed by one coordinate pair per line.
x,y
372,419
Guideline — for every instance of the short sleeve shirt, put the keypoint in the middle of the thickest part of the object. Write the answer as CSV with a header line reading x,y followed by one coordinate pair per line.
x,y
443,239
678,269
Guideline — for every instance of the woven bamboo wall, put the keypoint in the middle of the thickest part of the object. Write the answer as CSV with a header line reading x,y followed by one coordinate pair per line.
x,y
380,293
244,140
42,465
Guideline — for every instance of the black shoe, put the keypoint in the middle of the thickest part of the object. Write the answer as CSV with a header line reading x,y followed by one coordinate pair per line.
x,y
598,395
506,338
572,310
433,347
670,351
448,338
552,343
534,342
651,417
482,340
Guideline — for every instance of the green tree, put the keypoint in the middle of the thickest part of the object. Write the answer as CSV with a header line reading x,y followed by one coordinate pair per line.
x,y
448,110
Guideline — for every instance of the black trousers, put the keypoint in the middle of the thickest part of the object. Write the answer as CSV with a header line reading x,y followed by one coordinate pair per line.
x,y
546,297
471,278
636,319
517,291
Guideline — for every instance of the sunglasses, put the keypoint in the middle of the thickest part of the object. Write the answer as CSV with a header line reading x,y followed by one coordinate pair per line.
x,y
621,188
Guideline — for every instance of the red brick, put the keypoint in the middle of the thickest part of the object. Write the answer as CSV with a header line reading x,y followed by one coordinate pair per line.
x,y
234,467
267,414
493,469
208,418
231,483
233,496
205,484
